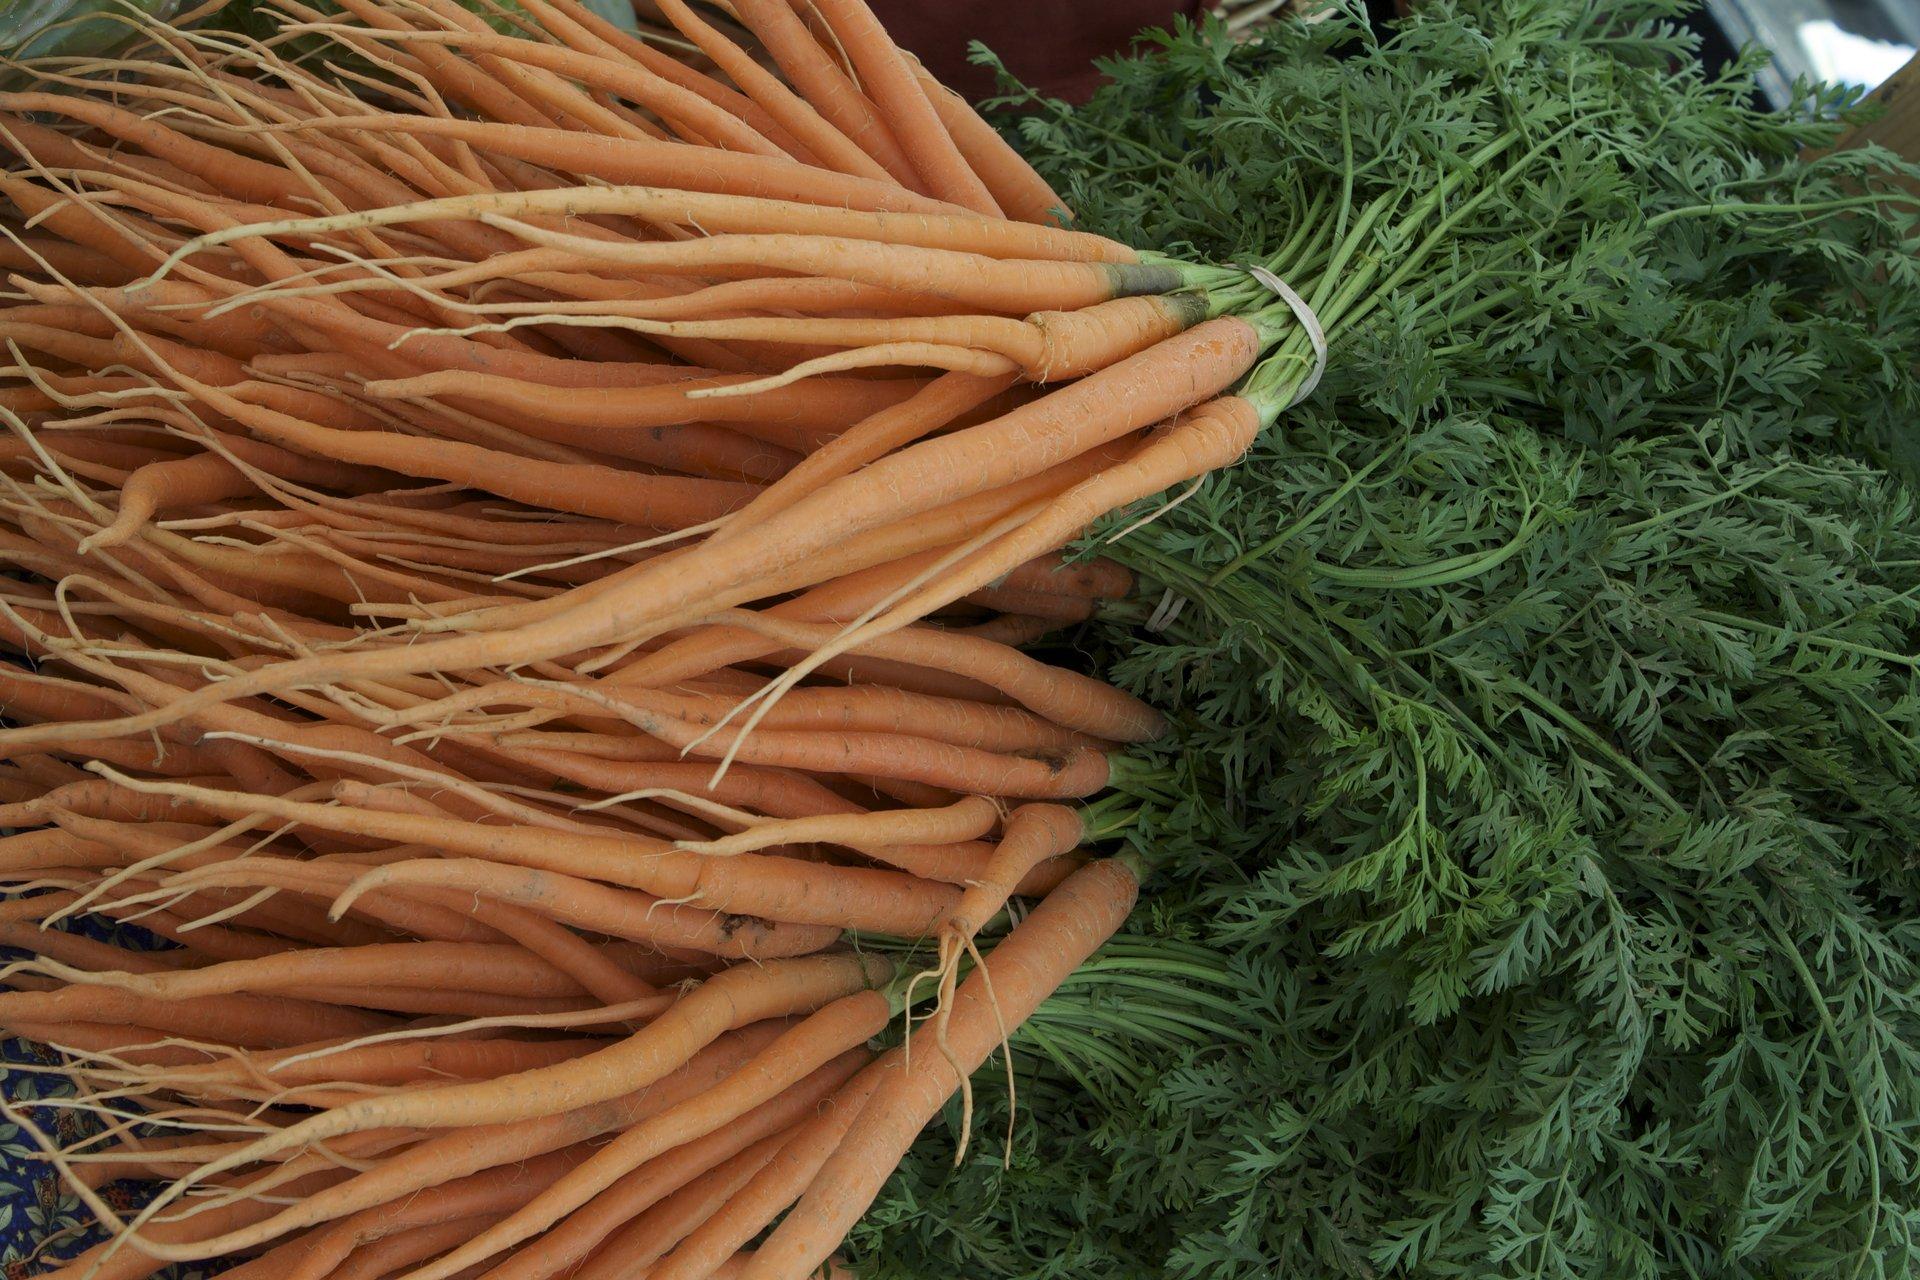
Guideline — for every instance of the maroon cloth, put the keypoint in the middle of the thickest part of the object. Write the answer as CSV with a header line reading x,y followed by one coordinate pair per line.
x,y
1049,44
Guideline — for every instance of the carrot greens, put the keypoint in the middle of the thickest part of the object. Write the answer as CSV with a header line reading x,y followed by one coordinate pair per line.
x,y
1543,774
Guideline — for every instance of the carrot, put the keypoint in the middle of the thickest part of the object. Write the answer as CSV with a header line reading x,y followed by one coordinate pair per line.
x,y
1211,436
38,696
962,821
76,952
118,455
396,1062
136,245
594,971
779,792
621,913
665,502
453,1002
341,749
51,148
997,284
391,1245
798,413
825,1035
261,1021
144,756
493,968
140,1046
824,742
198,480
558,90
866,568
223,868
825,85
1055,608
1010,629
1015,187
650,162
226,171
472,1149
582,28
651,1233
889,81
146,1158
874,436
730,1000
1222,339
235,335
461,80
622,1207
59,342
74,261
1218,432
712,213
1065,697
1100,579
776,1185
749,884
1061,932
205,941
1033,834
108,1262
821,131
28,851
1048,346
685,110
664,297
832,711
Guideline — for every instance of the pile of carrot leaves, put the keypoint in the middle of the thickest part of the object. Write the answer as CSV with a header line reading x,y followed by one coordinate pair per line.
x,y
1547,765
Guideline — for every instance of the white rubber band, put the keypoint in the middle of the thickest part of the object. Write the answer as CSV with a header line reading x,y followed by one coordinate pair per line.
x,y
1308,321
1168,609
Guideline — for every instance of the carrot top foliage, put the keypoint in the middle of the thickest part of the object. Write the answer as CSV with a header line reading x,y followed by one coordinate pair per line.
x,y
1544,784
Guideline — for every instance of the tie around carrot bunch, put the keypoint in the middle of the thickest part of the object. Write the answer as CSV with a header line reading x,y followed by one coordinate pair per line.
x,y
524,535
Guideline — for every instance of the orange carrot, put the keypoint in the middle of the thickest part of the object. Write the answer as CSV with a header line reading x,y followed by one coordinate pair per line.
x,y
775,1186
664,1224
473,1149
621,1208
828,1033
730,1000
1061,932
106,1262
264,1021
896,92
620,913
826,86
971,817
1013,286
765,89
750,884
710,213
1015,187
1211,436
649,162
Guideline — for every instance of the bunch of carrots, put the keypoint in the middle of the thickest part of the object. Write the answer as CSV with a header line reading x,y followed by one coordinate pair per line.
x,y
522,535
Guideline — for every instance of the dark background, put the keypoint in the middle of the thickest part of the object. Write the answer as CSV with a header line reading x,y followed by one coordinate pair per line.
x,y
1051,44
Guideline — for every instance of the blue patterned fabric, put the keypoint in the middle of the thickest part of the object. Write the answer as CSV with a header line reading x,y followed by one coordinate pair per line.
x,y
40,1223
